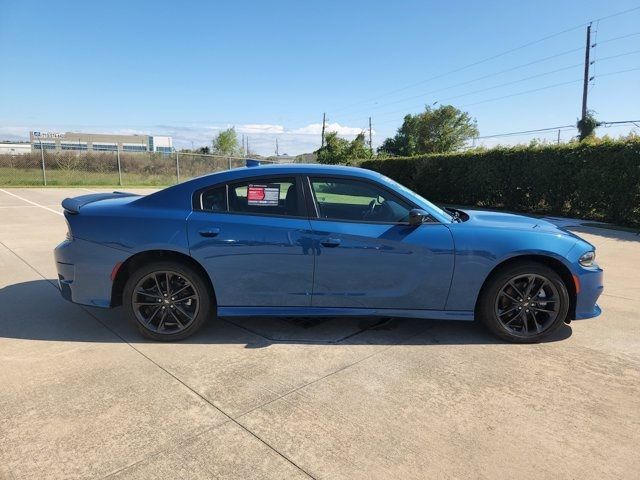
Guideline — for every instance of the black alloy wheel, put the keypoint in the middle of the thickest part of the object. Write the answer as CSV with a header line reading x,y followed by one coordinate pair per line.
x,y
527,304
167,300
523,302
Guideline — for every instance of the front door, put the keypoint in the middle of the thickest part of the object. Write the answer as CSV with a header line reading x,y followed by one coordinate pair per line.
x,y
369,256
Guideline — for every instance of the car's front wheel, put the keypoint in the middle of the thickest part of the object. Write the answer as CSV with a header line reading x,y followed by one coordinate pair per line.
x,y
524,302
167,300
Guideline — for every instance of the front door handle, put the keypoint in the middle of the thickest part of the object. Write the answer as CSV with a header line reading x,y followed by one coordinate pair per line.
x,y
209,232
330,242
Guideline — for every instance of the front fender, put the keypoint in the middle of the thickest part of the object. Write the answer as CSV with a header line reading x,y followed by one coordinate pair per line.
x,y
480,251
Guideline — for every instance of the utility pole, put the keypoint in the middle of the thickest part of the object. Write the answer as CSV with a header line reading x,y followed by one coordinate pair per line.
x,y
277,153
585,86
324,121
370,138
558,136
44,174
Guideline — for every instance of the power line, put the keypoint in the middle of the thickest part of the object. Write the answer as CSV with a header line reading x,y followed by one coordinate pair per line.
x,y
553,129
524,132
502,84
487,59
618,72
551,86
555,85
619,38
473,80
413,97
619,122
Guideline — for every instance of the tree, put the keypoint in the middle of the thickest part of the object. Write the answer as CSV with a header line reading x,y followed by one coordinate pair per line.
x,y
226,143
334,150
338,150
440,130
358,148
587,126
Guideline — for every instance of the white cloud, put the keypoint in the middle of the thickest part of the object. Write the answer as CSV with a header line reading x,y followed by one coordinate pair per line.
x,y
260,128
316,129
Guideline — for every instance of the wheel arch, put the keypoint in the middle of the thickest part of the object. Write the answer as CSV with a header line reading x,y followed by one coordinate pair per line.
x,y
556,265
135,261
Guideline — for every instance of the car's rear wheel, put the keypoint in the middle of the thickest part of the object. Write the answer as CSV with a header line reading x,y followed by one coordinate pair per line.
x,y
167,300
524,302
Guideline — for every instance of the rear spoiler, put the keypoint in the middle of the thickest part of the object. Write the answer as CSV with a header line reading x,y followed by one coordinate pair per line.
x,y
73,205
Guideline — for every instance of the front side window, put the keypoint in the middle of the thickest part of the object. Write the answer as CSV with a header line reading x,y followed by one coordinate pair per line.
x,y
265,196
357,201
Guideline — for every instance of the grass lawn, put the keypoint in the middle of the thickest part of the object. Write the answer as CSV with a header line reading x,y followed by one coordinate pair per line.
x,y
21,177
340,198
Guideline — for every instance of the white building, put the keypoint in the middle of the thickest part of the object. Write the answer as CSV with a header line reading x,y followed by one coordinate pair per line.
x,y
99,142
14,148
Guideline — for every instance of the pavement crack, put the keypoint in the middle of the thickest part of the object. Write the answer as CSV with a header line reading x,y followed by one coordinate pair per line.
x,y
175,377
341,369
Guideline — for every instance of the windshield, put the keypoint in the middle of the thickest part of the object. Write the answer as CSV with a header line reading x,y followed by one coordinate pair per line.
x,y
443,215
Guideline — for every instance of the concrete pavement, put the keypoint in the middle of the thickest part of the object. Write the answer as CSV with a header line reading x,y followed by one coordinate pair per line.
x,y
83,396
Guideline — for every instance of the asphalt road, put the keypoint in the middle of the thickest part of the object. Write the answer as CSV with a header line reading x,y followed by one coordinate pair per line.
x,y
83,396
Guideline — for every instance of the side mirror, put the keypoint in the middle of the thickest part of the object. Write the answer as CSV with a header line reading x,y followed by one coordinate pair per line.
x,y
417,217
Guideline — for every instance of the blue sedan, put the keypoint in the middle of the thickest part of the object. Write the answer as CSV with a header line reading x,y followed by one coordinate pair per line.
x,y
310,240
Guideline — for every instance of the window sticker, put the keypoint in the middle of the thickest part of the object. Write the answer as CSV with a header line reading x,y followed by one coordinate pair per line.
x,y
263,195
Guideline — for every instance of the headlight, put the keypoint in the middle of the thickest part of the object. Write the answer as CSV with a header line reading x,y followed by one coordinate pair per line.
x,y
588,259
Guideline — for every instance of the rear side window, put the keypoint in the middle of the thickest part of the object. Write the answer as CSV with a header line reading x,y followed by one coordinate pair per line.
x,y
265,196
214,199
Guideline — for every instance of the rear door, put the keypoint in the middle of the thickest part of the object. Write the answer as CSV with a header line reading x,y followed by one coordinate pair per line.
x,y
253,237
368,254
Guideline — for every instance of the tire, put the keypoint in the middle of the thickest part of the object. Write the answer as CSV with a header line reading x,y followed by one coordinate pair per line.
x,y
157,313
510,314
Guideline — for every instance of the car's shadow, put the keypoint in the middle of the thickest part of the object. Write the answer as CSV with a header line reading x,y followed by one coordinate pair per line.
x,y
34,310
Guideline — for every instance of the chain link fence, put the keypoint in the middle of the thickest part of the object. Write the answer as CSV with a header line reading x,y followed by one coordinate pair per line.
x,y
48,167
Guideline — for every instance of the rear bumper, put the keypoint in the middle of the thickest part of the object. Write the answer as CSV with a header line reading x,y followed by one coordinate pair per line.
x,y
591,287
84,271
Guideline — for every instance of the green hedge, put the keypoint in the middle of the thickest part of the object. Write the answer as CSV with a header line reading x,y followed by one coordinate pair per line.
x,y
598,181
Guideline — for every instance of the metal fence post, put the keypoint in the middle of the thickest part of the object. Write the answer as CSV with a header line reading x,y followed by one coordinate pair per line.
x,y
178,166
44,172
119,167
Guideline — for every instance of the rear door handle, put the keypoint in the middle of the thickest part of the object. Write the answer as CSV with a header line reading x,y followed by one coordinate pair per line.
x,y
330,242
209,232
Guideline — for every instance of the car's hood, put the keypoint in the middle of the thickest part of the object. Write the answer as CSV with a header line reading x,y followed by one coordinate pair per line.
x,y
490,219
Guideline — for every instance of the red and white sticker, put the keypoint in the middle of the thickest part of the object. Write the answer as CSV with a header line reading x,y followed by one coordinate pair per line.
x,y
263,195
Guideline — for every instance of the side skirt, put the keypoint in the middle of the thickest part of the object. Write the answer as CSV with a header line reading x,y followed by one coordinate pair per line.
x,y
343,312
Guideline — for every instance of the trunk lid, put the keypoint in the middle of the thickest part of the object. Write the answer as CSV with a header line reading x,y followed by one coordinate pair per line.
x,y
73,205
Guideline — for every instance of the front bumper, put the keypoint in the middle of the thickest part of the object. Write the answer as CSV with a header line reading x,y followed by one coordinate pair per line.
x,y
591,286
84,271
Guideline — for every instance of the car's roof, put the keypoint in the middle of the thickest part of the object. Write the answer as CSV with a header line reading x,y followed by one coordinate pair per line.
x,y
178,194
294,168
283,168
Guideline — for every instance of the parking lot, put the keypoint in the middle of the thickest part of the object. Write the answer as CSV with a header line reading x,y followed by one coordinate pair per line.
x,y
82,395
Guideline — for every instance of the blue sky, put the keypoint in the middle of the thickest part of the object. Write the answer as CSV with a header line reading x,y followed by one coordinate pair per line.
x,y
272,68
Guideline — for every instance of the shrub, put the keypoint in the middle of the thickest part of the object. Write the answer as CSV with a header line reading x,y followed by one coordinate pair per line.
x,y
599,181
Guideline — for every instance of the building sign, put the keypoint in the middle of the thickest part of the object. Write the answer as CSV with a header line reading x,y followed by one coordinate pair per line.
x,y
48,135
